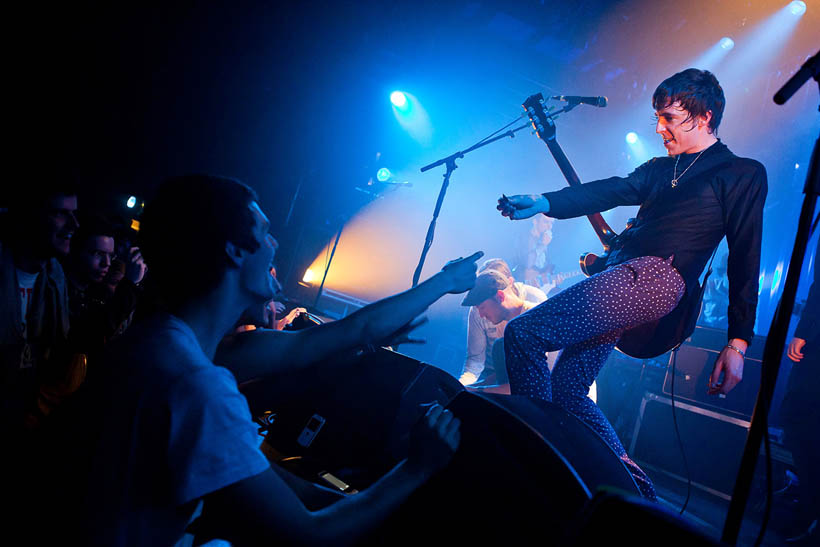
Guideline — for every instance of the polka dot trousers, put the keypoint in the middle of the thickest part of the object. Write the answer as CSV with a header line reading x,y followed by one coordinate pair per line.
x,y
586,321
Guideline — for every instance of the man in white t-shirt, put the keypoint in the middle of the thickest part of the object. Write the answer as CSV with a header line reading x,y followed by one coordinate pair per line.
x,y
34,319
168,429
34,325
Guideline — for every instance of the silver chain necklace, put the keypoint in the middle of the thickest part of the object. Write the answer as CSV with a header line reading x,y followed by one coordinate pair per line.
x,y
675,177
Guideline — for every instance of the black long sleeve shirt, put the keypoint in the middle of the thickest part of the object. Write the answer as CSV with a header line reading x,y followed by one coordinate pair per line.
x,y
721,194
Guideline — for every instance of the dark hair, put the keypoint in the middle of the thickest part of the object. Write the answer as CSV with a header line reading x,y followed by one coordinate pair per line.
x,y
91,225
698,91
184,230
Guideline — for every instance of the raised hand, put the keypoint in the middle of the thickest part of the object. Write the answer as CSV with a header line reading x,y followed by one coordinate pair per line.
x,y
434,439
135,267
522,206
461,272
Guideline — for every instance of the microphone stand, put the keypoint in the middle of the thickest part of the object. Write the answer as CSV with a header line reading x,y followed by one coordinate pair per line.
x,y
329,260
775,342
450,163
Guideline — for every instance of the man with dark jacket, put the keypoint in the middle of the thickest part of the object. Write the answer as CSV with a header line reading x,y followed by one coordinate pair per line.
x,y
688,202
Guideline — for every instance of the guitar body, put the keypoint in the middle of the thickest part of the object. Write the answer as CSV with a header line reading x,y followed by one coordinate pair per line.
x,y
591,263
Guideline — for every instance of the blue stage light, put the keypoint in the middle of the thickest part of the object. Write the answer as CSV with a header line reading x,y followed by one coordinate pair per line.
x,y
631,137
398,99
797,7
727,43
384,174
132,201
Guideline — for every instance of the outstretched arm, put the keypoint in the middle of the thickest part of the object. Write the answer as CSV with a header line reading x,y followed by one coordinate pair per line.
x,y
263,352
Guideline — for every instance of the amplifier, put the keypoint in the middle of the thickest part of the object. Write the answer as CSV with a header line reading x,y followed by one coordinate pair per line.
x,y
695,360
712,441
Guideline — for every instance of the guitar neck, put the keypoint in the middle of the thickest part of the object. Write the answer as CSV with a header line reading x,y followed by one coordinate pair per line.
x,y
602,229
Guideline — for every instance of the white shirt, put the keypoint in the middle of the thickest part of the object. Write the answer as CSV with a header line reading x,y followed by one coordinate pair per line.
x,y
25,284
482,333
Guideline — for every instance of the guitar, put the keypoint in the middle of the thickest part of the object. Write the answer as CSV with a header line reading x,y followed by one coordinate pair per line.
x,y
649,339
546,282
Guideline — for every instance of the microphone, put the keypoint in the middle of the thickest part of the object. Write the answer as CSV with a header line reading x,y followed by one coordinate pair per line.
x,y
810,69
574,99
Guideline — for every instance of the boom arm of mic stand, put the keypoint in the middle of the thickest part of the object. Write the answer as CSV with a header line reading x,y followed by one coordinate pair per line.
x,y
450,161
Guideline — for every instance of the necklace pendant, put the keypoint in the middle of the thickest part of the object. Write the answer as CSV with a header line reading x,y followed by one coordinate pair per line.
x,y
674,182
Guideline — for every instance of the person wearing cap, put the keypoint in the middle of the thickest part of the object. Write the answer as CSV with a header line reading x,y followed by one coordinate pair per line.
x,y
495,299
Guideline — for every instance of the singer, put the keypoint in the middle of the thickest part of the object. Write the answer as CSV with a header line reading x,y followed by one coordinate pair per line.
x,y
688,201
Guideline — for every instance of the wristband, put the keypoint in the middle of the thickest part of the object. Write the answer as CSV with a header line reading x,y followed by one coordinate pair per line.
x,y
737,349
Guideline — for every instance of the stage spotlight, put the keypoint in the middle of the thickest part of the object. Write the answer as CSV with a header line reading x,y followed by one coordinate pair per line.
x,y
131,202
713,56
309,276
399,100
797,7
631,137
797,166
384,174
412,116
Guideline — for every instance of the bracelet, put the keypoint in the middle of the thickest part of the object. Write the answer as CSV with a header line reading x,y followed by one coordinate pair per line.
x,y
740,351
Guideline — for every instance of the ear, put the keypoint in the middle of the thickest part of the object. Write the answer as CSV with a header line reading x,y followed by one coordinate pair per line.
x,y
236,255
705,119
500,296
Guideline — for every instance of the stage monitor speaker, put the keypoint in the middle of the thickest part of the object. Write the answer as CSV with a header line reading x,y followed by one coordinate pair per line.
x,y
695,361
352,417
521,463
525,469
597,465
624,520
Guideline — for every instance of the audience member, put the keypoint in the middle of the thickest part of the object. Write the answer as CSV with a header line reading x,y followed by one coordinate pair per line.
x,y
170,429
35,319
99,314
34,326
